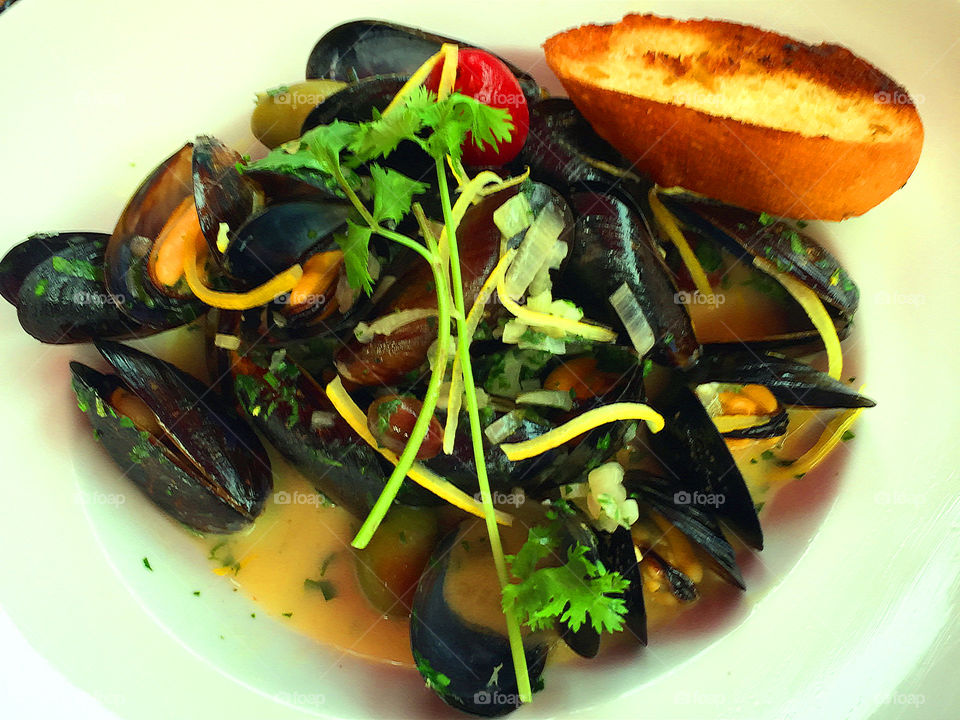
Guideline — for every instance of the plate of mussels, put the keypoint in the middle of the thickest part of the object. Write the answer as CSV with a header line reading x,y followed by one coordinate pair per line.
x,y
577,364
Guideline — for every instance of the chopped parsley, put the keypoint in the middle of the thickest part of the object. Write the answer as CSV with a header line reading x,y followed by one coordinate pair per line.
x,y
77,268
847,435
146,564
326,588
436,681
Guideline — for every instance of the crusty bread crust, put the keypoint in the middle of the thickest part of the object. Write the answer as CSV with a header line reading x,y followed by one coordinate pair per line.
x,y
749,161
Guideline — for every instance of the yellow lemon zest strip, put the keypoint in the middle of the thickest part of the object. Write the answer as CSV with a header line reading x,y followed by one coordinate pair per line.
x,y
581,424
813,306
426,478
670,226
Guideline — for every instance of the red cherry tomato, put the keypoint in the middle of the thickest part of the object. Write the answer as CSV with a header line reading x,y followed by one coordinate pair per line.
x,y
486,78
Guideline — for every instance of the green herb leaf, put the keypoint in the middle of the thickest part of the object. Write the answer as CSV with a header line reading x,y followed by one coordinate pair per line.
x,y
572,592
146,564
709,255
356,250
77,268
436,681
393,193
327,588
847,435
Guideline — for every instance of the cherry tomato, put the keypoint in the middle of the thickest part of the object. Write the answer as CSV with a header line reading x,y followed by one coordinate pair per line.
x,y
485,77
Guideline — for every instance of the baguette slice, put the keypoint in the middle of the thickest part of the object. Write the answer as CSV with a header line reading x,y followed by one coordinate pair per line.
x,y
742,115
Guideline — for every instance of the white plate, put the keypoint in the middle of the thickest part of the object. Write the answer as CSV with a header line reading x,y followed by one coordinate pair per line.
x,y
851,609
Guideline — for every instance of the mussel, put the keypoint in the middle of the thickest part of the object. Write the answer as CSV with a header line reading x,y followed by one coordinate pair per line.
x,y
287,405
613,254
56,283
696,458
743,248
388,357
458,636
365,48
143,264
791,381
188,452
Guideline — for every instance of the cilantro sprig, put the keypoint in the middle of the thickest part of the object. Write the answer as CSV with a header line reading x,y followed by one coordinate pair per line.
x,y
578,591
338,154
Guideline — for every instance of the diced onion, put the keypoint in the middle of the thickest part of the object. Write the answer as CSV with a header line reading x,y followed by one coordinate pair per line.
x,y
631,315
503,427
387,324
546,398
514,216
227,342
321,419
534,251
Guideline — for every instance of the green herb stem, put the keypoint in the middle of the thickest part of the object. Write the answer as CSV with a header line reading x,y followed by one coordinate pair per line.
x,y
422,424
470,396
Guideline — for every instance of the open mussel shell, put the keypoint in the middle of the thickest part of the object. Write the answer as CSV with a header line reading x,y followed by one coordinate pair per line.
x,y
365,48
127,270
474,657
611,248
791,381
563,150
615,551
292,411
208,469
695,521
693,451
746,236
220,192
776,426
282,235
388,358
56,283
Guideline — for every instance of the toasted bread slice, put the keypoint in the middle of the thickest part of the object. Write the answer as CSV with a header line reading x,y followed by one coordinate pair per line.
x,y
745,116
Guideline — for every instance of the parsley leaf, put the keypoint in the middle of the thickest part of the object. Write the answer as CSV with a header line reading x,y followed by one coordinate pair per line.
x,y
382,135
393,193
356,250
573,592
